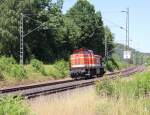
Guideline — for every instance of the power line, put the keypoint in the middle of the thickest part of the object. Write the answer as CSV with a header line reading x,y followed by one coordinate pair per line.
x,y
22,35
105,19
115,24
26,15
116,12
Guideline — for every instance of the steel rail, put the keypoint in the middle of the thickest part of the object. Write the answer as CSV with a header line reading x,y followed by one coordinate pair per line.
x,y
35,90
24,87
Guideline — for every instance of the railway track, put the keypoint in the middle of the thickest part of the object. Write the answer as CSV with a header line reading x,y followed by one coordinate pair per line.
x,y
31,91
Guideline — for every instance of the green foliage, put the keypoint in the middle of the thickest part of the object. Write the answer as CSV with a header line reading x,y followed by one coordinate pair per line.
x,y
90,23
18,72
9,69
8,66
80,27
62,67
59,69
6,63
1,76
137,87
110,38
38,66
137,58
42,40
54,73
148,61
142,84
13,106
104,87
111,64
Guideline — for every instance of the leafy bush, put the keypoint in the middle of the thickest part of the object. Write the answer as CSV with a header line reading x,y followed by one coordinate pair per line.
x,y
62,67
38,66
18,72
137,87
53,72
1,76
6,63
111,65
142,83
13,106
104,87
58,70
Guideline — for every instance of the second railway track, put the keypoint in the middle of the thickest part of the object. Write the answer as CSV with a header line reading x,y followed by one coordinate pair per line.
x,y
31,91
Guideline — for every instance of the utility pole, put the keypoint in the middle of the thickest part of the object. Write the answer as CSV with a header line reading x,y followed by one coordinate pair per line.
x,y
106,45
126,31
127,53
21,40
22,35
128,27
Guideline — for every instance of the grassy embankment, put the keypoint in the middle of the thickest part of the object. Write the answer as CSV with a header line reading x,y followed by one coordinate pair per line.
x,y
13,74
123,96
128,96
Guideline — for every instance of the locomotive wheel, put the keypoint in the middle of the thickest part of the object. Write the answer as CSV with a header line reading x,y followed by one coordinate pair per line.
x,y
76,78
88,76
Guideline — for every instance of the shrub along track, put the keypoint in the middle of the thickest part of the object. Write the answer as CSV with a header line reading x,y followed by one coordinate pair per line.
x,y
31,91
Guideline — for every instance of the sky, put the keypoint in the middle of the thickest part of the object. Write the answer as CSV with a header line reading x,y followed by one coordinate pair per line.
x,y
139,13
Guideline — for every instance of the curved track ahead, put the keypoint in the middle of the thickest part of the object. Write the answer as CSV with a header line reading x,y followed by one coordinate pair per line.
x,y
31,91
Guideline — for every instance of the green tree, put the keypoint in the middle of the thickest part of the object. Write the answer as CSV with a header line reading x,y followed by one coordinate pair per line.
x,y
109,40
40,43
90,23
80,27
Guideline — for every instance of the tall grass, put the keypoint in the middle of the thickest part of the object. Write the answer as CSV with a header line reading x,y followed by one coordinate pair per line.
x,y
143,84
38,66
9,67
1,75
18,72
123,106
13,106
137,87
57,70
6,63
36,70
77,102
104,87
125,96
86,102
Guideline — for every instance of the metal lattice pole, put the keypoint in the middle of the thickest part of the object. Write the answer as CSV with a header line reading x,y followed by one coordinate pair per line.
x,y
106,52
128,28
21,41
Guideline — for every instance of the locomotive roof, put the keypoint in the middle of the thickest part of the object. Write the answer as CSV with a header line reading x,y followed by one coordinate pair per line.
x,y
82,50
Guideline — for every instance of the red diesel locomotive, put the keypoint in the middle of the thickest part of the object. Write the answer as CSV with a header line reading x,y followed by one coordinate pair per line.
x,y
85,64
